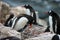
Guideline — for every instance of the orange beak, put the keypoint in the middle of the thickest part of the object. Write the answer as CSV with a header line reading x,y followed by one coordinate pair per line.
x,y
30,26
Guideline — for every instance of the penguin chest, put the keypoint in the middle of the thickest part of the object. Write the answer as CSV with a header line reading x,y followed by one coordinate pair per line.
x,y
51,23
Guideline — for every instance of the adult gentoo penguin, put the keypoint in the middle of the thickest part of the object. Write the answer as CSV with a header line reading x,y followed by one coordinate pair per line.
x,y
33,13
20,22
54,22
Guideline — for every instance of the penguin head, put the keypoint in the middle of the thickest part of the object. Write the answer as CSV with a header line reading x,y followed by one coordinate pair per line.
x,y
29,7
50,12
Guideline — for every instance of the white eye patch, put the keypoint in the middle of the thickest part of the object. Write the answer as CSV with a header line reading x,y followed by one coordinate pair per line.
x,y
50,11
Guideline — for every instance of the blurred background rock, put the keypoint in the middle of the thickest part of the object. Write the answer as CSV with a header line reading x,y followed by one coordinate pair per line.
x,y
40,5
4,11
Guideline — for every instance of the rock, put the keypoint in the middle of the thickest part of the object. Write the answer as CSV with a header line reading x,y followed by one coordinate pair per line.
x,y
4,7
4,10
10,38
18,10
7,31
32,32
43,36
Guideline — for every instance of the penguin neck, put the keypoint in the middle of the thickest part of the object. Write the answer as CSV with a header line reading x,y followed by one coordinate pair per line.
x,y
34,16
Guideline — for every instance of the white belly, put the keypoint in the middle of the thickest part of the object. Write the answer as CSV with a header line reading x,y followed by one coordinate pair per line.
x,y
21,23
51,23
